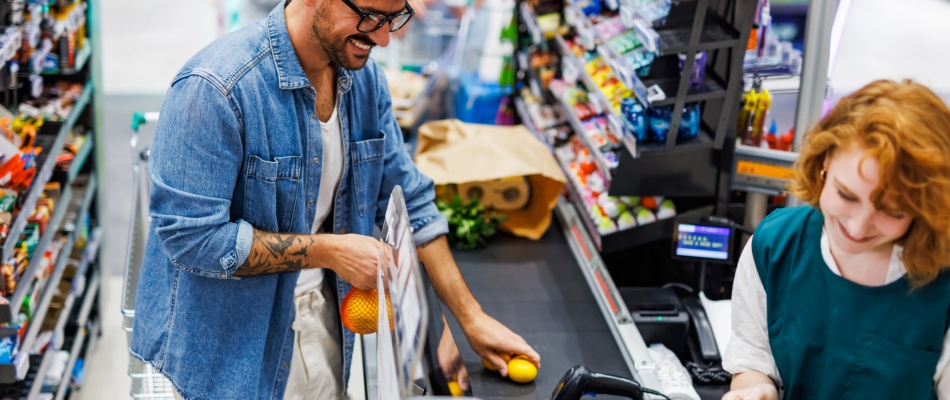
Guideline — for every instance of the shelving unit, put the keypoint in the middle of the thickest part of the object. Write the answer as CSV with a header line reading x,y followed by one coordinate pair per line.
x,y
71,237
693,172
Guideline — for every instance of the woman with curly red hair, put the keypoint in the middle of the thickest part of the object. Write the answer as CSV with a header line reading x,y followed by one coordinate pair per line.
x,y
847,298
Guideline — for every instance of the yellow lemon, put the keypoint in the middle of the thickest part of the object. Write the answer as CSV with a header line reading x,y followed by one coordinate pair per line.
x,y
359,311
455,389
521,370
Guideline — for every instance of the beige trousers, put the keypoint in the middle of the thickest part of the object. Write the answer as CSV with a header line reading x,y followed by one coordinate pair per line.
x,y
316,368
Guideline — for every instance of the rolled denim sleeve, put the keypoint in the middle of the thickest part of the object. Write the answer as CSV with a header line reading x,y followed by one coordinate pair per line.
x,y
399,169
194,164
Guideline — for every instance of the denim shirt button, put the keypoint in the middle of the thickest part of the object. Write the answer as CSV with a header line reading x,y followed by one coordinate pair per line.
x,y
349,347
310,202
286,365
316,160
342,231
223,276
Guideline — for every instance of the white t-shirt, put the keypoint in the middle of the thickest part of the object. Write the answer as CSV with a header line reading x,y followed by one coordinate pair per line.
x,y
749,348
332,160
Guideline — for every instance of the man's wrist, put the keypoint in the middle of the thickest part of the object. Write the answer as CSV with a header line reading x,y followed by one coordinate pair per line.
x,y
469,312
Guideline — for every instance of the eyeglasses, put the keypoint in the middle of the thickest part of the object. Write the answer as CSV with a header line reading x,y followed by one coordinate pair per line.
x,y
370,22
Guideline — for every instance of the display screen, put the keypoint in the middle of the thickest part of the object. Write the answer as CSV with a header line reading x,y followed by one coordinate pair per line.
x,y
702,241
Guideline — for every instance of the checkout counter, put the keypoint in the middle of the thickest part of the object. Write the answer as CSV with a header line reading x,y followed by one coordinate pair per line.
x,y
557,294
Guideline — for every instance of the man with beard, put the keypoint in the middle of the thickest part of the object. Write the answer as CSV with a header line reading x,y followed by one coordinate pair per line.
x,y
273,160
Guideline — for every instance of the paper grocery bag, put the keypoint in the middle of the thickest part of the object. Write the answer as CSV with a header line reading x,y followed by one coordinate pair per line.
x,y
454,152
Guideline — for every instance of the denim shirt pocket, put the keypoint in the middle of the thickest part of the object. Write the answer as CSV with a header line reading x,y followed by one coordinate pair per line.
x,y
367,159
270,196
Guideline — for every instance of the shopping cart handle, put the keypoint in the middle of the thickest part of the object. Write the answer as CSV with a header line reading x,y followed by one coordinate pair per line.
x,y
140,117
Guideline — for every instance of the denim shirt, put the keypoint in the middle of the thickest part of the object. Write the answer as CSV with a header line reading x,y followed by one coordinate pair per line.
x,y
236,149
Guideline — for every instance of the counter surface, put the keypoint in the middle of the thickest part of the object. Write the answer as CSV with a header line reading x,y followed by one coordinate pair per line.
x,y
536,289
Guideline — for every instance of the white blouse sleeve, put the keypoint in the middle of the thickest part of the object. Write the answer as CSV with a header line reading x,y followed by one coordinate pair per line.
x,y
749,348
942,375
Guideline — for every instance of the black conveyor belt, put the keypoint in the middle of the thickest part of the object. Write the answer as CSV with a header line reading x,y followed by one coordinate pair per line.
x,y
536,289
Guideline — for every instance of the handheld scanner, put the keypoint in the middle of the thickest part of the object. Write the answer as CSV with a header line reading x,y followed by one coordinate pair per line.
x,y
579,381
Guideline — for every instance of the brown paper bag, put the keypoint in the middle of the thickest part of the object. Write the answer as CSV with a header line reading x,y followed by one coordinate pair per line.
x,y
454,152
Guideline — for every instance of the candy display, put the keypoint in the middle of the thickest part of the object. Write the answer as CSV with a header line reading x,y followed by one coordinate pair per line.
x,y
609,214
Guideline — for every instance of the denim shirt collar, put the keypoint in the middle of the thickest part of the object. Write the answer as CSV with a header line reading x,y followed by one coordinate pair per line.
x,y
289,71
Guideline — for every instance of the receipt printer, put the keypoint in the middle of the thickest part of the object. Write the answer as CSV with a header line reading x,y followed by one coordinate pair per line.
x,y
660,317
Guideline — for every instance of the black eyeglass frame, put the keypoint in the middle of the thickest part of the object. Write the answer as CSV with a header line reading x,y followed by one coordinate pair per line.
x,y
385,18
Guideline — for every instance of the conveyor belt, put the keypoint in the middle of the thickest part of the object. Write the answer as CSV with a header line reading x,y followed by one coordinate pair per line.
x,y
537,289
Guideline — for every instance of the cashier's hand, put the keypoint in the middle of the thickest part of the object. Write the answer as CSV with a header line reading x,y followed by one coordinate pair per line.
x,y
757,392
489,338
354,258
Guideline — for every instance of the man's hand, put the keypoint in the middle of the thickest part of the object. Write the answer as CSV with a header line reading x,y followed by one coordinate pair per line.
x,y
489,338
354,258
762,391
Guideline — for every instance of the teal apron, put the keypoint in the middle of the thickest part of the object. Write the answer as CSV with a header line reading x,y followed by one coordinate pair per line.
x,y
835,339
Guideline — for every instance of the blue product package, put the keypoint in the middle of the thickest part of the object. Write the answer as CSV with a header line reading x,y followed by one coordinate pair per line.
x,y
689,124
636,118
660,118
7,349
589,7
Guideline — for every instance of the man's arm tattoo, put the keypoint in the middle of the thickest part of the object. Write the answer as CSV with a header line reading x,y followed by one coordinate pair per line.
x,y
276,252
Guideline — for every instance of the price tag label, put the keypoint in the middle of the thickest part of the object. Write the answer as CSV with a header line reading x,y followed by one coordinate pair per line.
x,y
569,17
597,102
587,38
570,72
535,89
615,125
627,15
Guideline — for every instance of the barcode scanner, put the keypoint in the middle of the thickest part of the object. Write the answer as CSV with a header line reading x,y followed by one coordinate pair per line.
x,y
579,381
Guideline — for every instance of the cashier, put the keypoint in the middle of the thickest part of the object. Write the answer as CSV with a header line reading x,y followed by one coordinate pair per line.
x,y
849,298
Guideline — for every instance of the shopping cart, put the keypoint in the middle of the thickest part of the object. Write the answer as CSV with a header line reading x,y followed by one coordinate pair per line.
x,y
146,382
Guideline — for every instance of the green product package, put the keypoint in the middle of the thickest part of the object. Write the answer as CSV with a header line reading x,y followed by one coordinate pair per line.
x,y
625,42
7,202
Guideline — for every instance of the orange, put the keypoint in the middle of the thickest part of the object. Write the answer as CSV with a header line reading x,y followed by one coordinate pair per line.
x,y
360,311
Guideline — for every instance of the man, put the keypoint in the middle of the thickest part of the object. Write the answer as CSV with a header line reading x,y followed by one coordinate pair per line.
x,y
268,138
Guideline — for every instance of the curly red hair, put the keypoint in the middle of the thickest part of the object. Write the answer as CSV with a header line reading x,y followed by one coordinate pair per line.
x,y
906,128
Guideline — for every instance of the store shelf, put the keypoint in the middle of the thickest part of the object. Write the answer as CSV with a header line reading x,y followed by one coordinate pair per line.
x,y
581,133
55,346
635,236
78,340
80,159
689,172
21,362
531,22
82,57
716,34
45,171
52,227
534,84
703,140
713,87
528,123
